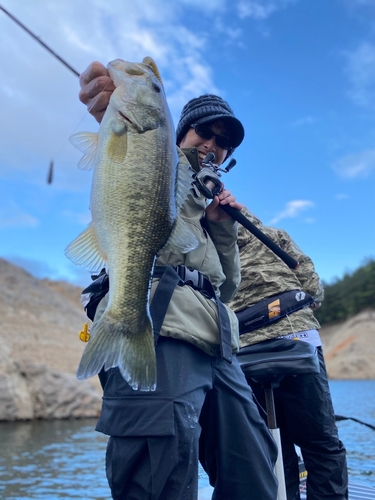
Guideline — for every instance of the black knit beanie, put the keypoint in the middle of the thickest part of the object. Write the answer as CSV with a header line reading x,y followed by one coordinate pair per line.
x,y
208,108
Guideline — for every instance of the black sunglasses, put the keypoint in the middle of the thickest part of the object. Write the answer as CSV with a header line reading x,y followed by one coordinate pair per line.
x,y
205,132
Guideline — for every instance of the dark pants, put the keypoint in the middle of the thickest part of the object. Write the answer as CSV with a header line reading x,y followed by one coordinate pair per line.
x,y
235,455
305,416
153,449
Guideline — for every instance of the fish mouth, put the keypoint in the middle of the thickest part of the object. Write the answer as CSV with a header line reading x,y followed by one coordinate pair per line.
x,y
124,117
134,124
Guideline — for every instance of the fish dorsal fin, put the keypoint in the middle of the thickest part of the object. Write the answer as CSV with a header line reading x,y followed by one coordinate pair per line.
x,y
85,251
87,143
150,62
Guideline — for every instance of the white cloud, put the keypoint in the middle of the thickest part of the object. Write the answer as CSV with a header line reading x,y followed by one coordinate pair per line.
x,y
40,97
230,33
341,196
74,40
309,220
305,120
14,216
292,210
361,72
206,6
359,3
39,269
80,218
261,9
356,165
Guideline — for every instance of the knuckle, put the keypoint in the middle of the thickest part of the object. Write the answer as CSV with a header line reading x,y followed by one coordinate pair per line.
x,y
83,96
97,67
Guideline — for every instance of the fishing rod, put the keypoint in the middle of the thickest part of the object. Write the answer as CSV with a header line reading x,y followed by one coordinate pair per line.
x,y
341,417
208,182
66,64
39,41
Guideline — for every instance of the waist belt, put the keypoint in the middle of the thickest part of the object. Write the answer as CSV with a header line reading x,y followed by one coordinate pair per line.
x,y
271,309
170,277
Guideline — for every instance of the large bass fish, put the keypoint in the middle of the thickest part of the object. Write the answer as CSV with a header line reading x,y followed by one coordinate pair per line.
x,y
137,192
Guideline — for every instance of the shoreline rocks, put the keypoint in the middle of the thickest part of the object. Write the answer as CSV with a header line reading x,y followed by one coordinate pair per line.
x,y
33,391
40,349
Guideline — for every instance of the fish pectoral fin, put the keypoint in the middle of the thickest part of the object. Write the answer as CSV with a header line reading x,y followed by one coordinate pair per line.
x,y
181,237
117,148
85,251
87,143
112,345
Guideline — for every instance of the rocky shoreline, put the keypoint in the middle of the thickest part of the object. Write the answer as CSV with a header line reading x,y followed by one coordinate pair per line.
x,y
40,349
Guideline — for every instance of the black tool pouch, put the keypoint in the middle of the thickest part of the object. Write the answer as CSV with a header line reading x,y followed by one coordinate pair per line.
x,y
272,309
93,294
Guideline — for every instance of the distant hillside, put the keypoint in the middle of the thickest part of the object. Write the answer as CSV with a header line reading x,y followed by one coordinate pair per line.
x,y
349,295
349,347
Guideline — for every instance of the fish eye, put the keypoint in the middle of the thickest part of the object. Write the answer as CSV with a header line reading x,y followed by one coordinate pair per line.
x,y
156,87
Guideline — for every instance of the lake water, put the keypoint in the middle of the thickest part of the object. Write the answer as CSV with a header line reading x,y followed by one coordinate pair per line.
x,y
64,459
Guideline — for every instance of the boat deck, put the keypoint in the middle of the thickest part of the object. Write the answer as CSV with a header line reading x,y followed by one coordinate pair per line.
x,y
356,492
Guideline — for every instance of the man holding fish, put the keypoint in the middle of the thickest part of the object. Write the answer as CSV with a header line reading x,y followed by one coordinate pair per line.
x,y
154,431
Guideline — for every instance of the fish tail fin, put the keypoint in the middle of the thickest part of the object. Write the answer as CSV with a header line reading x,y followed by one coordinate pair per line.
x,y
114,344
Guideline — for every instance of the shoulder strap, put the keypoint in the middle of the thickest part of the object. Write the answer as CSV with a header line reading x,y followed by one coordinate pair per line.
x,y
162,297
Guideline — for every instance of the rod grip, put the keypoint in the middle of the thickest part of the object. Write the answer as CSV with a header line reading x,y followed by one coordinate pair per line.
x,y
239,217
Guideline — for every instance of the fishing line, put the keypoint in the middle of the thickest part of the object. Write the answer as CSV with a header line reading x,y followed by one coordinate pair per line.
x,y
67,65
61,148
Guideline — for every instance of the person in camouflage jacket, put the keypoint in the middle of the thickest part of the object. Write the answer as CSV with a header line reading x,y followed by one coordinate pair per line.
x,y
303,403
268,275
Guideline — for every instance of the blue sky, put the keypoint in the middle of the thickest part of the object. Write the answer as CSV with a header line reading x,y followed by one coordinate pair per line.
x,y
300,74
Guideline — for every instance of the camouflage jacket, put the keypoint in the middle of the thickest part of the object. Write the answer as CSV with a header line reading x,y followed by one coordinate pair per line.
x,y
263,274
